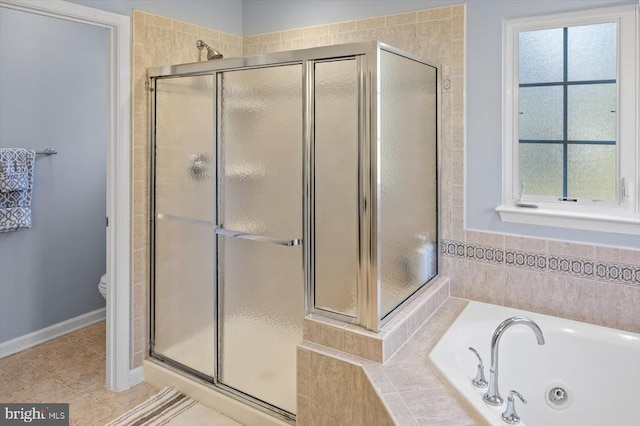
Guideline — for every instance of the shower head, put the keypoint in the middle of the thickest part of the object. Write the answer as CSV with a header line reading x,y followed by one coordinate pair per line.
x,y
211,52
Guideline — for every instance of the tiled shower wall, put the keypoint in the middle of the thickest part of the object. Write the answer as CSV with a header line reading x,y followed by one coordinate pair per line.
x,y
156,41
585,282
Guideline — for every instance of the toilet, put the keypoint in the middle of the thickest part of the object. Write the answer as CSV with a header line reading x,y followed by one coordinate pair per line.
x,y
102,286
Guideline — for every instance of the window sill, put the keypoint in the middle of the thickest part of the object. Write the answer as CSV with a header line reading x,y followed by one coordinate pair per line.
x,y
627,224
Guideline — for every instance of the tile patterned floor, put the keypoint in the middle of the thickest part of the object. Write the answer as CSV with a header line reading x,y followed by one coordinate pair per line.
x,y
69,369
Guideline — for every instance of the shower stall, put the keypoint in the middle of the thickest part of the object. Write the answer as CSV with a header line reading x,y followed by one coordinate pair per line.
x,y
286,184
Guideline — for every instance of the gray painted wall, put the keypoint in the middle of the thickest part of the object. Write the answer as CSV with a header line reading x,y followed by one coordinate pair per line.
x,y
224,15
54,94
483,87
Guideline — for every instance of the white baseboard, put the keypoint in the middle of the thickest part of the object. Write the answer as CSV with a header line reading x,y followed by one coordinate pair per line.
x,y
136,376
30,340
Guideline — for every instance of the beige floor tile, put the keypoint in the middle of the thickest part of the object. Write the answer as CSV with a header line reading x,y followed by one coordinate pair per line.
x,y
69,369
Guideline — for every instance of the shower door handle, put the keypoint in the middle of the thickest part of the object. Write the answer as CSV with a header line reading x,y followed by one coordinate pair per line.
x,y
261,238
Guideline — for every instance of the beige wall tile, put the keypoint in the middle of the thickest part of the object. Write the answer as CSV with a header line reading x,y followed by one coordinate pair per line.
x,y
336,391
442,408
457,156
343,27
522,288
619,255
363,346
303,370
325,335
318,31
292,34
269,37
525,243
485,283
394,340
455,270
158,21
457,28
446,227
586,251
402,18
366,24
617,306
457,195
185,27
457,223
138,358
251,40
485,238
434,14
138,26
399,410
373,410
209,33
341,38
378,379
566,297
303,415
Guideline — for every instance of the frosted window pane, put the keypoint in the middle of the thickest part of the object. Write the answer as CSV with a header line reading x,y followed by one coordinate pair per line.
x,y
590,113
541,168
592,172
592,52
336,186
540,56
540,113
407,215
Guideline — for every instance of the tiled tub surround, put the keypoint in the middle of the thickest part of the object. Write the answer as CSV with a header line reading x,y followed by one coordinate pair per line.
x,y
334,386
381,346
582,282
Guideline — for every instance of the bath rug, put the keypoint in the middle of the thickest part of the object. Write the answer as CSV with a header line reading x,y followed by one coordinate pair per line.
x,y
170,407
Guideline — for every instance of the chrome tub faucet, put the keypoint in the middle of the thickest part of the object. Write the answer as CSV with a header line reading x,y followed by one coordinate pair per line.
x,y
492,396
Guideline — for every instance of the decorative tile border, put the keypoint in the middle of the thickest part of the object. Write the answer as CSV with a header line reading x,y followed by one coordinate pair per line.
x,y
582,268
526,260
617,272
485,254
620,273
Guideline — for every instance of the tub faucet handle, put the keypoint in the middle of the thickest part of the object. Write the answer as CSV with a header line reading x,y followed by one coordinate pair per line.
x,y
479,381
510,416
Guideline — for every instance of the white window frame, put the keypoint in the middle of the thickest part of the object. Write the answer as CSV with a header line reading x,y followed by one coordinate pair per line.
x,y
622,217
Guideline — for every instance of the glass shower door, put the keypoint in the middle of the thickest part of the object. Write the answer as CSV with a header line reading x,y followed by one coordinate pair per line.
x,y
183,244
259,252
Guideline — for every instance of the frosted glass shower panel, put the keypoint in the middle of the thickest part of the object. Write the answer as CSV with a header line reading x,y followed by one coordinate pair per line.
x,y
184,147
336,185
184,294
184,329
407,187
260,283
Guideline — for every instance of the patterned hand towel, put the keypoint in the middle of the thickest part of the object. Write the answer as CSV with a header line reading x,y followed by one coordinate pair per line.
x,y
16,183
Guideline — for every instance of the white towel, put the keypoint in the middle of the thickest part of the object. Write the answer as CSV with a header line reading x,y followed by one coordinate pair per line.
x,y
16,183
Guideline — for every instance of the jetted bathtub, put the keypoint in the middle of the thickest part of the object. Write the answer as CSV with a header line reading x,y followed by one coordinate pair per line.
x,y
585,375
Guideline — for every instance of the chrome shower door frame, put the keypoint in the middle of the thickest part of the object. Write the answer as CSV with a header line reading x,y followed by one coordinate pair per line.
x,y
367,55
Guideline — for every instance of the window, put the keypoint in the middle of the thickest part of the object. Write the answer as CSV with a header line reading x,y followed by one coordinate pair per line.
x,y
570,113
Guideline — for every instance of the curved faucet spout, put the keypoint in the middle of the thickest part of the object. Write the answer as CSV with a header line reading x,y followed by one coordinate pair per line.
x,y
492,396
